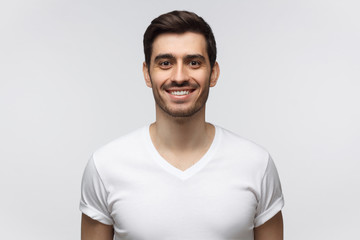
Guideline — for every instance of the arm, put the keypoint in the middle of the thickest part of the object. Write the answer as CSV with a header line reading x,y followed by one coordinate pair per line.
x,y
94,230
270,230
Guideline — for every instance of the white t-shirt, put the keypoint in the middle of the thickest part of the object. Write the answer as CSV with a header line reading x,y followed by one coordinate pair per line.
x,y
233,188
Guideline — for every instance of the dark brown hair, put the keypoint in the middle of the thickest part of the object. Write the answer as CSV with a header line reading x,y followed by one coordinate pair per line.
x,y
179,22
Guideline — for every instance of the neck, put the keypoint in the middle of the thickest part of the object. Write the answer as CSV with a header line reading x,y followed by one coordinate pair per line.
x,y
181,134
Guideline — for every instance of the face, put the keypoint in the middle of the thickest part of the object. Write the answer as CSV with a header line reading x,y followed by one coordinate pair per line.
x,y
180,74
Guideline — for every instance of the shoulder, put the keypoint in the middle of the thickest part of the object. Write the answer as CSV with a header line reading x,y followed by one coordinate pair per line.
x,y
242,150
235,142
121,148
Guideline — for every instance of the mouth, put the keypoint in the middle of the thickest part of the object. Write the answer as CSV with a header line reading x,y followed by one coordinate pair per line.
x,y
182,92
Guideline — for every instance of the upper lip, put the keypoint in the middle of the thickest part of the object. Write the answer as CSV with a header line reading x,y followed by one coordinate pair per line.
x,y
179,89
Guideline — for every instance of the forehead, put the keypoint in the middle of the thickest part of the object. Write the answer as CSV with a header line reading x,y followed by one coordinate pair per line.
x,y
179,44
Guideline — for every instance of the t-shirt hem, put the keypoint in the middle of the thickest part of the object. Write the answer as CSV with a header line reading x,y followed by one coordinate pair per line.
x,y
94,214
264,217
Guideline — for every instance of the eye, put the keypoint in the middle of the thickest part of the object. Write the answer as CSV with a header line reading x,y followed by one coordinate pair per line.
x,y
194,64
165,64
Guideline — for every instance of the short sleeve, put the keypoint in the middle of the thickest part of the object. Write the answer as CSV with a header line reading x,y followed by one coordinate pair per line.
x,y
93,201
271,199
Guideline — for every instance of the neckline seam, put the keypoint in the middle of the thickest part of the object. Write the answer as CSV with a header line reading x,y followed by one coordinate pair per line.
x,y
191,171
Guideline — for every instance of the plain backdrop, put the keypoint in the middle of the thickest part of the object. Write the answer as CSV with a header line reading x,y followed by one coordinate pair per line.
x,y
71,81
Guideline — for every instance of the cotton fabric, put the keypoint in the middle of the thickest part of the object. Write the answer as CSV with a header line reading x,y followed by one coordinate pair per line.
x,y
233,188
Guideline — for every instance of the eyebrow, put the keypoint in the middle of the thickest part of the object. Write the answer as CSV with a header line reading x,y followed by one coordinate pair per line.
x,y
192,56
164,56
187,57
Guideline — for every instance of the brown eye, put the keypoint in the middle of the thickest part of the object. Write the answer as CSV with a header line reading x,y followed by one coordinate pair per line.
x,y
194,64
165,64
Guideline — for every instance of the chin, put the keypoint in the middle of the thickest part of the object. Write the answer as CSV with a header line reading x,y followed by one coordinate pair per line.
x,y
181,113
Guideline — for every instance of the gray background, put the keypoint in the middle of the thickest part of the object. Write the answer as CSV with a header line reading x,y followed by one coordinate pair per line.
x,y
71,81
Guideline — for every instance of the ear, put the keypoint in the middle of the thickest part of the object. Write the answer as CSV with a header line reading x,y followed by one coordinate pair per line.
x,y
215,73
147,75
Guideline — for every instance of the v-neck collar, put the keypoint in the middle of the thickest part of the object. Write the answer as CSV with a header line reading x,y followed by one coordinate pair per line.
x,y
189,171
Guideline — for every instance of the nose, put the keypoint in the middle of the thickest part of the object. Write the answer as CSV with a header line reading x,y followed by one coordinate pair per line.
x,y
180,74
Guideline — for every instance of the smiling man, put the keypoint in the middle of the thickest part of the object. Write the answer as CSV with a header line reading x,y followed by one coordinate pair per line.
x,y
181,177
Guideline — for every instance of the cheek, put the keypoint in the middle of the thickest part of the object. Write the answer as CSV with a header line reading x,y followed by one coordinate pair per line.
x,y
158,78
202,77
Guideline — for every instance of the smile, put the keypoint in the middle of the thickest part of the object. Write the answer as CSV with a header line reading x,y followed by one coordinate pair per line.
x,y
179,93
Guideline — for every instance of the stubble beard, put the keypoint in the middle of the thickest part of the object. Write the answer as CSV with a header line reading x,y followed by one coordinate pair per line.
x,y
183,113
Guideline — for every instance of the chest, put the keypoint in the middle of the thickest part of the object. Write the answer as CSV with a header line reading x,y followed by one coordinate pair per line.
x,y
209,205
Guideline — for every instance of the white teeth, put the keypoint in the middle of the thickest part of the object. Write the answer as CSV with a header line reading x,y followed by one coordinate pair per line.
x,y
180,93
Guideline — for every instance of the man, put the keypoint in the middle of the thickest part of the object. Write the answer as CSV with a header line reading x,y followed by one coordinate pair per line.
x,y
181,177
